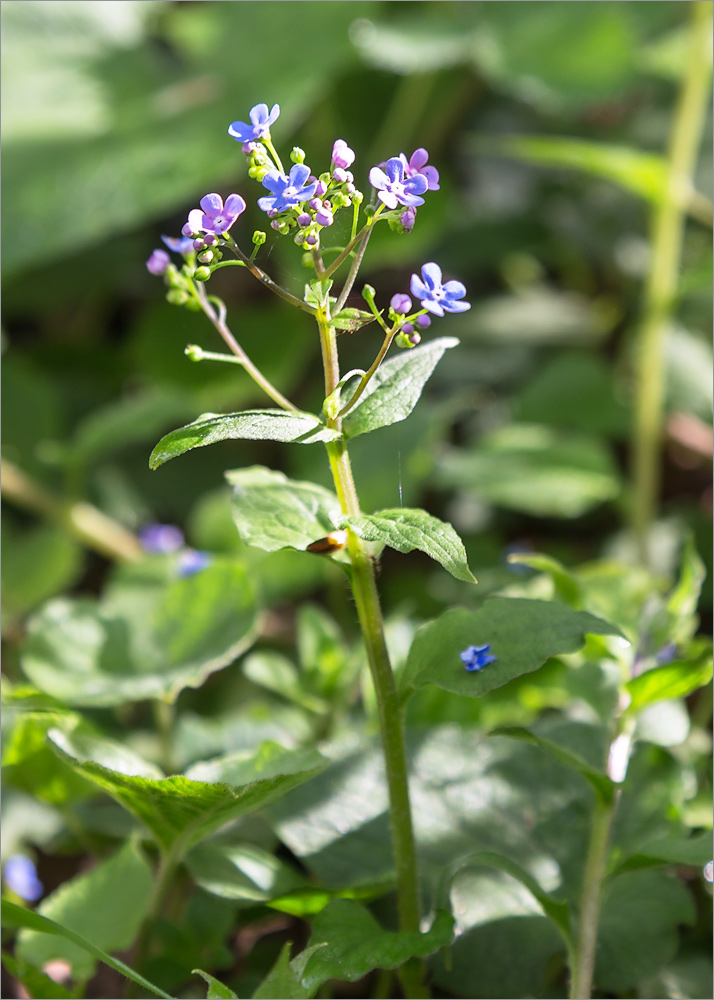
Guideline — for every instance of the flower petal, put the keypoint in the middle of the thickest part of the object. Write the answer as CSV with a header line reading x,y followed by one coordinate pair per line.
x,y
212,204
259,114
377,178
431,273
234,206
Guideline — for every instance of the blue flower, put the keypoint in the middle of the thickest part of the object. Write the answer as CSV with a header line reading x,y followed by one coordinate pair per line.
x,y
477,657
191,561
261,121
213,216
417,165
161,538
392,187
178,244
20,875
434,296
287,192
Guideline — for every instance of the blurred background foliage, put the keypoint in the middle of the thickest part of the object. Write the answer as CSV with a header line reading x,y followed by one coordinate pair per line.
x,y
548,123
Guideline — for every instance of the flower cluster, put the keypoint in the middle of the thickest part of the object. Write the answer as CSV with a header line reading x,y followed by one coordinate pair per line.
x,y
303,204
475,658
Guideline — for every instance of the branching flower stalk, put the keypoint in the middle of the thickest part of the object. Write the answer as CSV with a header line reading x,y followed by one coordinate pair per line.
x,y
303,205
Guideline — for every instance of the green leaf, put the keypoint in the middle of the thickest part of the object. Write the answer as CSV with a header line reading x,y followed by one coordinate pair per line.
x,y
643,174
81,905
395,388
535,469
600,783
29,764
672,680
557,911
638,931
187,809
522,633
147,639
354,943
18,916
251,425
277,673
216,989
565,586
409,528
274,512
285,978
695,851
37,564
682,602
242,872
36,983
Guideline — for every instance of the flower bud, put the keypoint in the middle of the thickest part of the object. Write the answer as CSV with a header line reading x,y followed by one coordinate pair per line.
x,y
315,204
322,185
259,238
312,241
297,155
339,175
408,328
368,293
342,155
258,172
249,148
158,262
423,321
198,243
177,296
407,340
324,217
193,352
202,273
304,219
206,257
401,303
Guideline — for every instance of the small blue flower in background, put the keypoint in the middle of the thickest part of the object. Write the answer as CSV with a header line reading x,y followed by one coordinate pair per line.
x,y
213,216
20,875
158,262
393,188
477,657
161,538
434,296
192,561
666,654
178,244
261,121
416,164
287,192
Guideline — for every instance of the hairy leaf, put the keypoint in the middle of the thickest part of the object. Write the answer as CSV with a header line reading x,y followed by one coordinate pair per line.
x,y
408,528
395,388
252,425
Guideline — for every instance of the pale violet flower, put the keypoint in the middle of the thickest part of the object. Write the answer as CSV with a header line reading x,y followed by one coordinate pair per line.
x,y
260,122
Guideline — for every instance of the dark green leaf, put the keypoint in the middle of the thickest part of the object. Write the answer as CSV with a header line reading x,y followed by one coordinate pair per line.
x,y
36,565
395,388
216,989
187,809
557,910
241,871
408,528
522,633
36,983
80,904
251,425
695,851
354,943
146,639
19,916
285,978
601,784
274,512
672,680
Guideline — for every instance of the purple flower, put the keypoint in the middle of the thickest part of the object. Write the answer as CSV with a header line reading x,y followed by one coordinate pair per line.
x,y
342,155
20,875
434,296
477,657
423,321
191,561
393,188
324,216
261,121
161,538
179,244
158,262
401,303
287,192
416,165
408,219
213,216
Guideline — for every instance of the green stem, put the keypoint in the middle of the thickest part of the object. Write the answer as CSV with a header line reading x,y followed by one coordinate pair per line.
x,y
347,288
661,287
338,261
265,279
364,589
165,715
162,883
368,374
219,322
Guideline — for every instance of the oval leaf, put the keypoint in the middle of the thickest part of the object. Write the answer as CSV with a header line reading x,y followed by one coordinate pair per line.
x,y
522,634
672,680
395,388
409,528
250,425
274,512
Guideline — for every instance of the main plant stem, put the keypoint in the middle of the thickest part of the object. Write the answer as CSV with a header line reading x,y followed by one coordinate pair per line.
x,y
661,286
391,727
